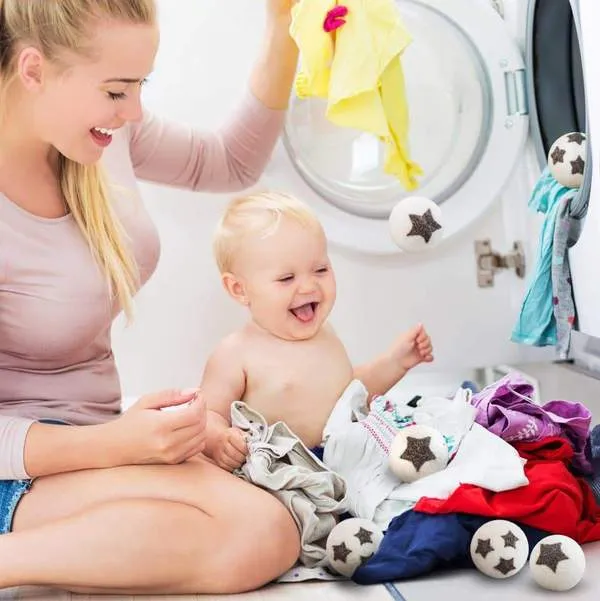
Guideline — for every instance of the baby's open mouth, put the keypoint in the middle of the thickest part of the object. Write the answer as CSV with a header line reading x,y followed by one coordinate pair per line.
x,y
306,312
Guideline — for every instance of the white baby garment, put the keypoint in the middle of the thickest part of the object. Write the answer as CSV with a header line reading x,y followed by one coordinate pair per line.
x,y
357,443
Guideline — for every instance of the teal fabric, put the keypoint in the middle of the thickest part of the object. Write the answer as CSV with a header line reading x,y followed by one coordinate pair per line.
x,y
536,324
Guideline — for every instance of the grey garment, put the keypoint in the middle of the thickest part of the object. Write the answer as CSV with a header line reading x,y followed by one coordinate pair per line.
x,y
566,233
280,463
570,216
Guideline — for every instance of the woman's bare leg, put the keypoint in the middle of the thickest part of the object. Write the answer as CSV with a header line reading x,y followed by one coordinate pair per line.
x,y
166,529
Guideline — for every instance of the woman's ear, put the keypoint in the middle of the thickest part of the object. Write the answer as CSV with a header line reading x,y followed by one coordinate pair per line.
x,y
235,288
31,65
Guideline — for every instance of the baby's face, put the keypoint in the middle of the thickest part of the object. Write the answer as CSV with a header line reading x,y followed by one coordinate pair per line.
x,y
288,280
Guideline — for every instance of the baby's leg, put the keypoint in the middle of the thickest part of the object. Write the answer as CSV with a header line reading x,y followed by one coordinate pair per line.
x,y
191,528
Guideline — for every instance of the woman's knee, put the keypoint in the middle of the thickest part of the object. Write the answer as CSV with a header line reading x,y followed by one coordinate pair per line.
x,y
263,540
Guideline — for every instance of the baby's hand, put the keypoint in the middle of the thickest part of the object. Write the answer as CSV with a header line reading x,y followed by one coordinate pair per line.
x,y
230,449
412,347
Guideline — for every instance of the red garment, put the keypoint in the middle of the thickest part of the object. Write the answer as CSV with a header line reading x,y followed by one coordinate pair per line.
x,y
554,500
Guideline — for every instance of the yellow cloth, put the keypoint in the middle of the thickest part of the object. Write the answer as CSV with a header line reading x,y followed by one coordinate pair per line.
x,y
357,69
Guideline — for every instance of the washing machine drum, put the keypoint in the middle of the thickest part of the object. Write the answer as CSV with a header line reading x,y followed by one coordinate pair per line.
x,y
468,94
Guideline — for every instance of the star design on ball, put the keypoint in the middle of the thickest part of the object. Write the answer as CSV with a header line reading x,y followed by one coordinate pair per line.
x,y
418,451
341,552
365,558
558,154
414,402
576,137
577,166
484,546
551,555
504,566
423,225
364,536
510,540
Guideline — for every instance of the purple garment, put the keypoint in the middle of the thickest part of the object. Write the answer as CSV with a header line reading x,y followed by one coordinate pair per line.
x,y
504,408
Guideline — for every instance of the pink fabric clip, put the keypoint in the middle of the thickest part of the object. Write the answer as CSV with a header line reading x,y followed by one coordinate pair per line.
x,y
335,18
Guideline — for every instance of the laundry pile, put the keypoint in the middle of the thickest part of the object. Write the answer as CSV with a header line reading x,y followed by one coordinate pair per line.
x,y
424,475
557,455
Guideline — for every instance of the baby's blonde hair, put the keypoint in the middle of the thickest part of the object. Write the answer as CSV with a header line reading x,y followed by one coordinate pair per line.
x,y
54,26
257,214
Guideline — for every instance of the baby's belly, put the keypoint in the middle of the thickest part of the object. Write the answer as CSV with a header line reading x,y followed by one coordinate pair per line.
x,y
304,412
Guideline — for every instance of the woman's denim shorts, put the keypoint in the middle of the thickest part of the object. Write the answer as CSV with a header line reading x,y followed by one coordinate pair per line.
x,y
11,492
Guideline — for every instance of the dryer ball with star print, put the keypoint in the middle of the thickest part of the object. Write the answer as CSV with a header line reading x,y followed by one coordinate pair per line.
x,y
499,549
416,224
417,451
566,159
557,563
351,544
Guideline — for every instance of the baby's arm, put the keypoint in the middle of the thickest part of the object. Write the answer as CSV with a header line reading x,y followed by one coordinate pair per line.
x,y
223,382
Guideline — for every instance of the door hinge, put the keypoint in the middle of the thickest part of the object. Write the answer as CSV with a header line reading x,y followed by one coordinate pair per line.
x,y
490,262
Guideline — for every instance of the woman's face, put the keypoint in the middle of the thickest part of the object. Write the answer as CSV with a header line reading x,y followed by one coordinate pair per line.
x,y
75,110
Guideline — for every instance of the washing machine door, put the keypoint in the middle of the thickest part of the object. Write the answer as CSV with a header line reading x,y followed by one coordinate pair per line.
x,y
554,67
465,88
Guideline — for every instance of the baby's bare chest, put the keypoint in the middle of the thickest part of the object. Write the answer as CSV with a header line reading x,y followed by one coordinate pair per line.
x,y
298,384
295,369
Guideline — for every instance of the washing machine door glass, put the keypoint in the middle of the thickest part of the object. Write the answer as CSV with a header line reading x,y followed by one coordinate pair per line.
x,y
450,112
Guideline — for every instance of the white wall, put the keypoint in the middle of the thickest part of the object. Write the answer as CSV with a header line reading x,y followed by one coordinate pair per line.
x,y
182,312
585,255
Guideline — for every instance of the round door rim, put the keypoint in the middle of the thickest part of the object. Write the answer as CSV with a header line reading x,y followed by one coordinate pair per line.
x,y
508,132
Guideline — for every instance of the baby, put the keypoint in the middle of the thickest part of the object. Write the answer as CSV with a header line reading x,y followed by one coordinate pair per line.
x,y
287,363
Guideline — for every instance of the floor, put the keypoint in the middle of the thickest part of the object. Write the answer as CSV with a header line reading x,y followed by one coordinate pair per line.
x,y
315,591
555,382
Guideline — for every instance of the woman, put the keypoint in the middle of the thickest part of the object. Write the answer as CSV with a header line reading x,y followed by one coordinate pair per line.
x,y
75,246
92,500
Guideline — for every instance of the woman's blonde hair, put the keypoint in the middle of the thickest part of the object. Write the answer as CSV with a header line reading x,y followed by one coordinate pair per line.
x,y
257,214
54,26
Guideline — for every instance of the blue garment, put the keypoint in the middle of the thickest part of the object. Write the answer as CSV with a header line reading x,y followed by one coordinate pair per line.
x,y
594,455
469,385
536,324
318,452
418,543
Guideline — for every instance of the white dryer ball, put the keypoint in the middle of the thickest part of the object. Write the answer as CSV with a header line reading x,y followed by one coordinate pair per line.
x,y
499,549
416,224
417,451
566,159
557,563
351,543
177,407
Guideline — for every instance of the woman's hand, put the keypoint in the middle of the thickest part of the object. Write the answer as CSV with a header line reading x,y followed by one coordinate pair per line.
x,y
279,11
147,434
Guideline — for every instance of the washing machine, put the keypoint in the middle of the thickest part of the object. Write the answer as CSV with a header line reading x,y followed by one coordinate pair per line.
x,y
490,85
